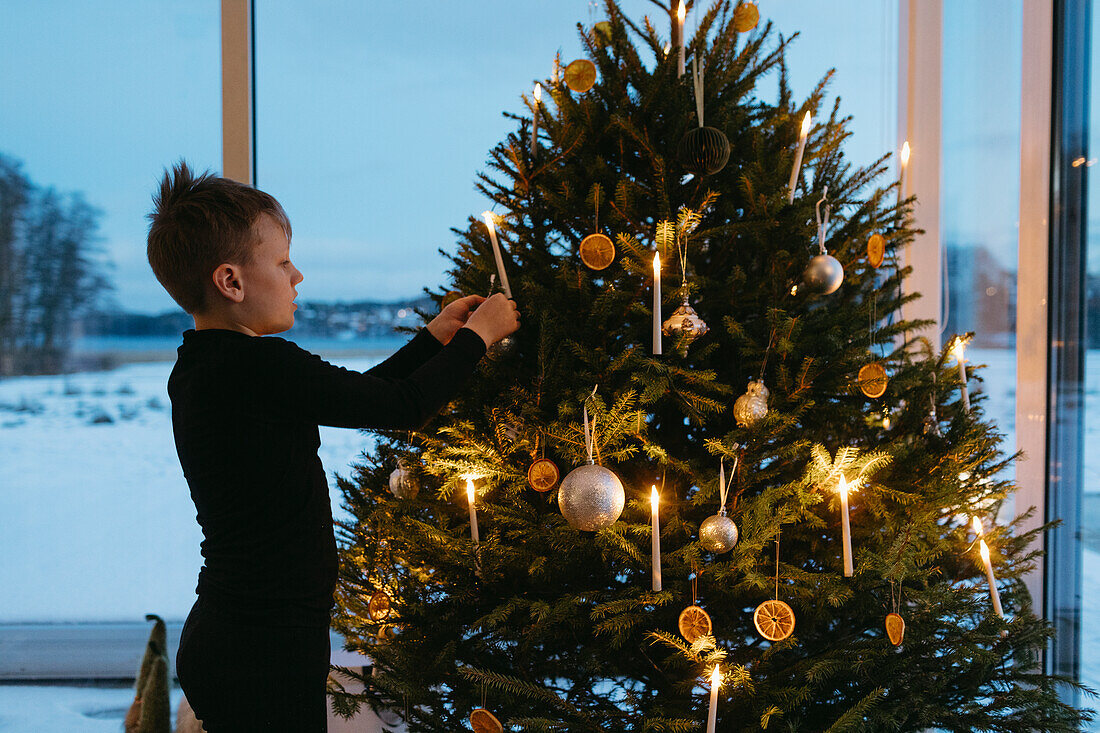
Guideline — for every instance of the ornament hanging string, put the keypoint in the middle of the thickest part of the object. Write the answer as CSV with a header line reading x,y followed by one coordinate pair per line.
x,y
767,350
681,251
588,431
777,562
697,84
694,585
723,486
822,225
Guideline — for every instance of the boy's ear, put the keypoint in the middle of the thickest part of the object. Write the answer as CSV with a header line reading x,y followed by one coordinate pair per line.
x,y
227,282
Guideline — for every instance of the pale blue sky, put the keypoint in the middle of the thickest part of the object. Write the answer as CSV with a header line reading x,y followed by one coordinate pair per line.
x,y
373,118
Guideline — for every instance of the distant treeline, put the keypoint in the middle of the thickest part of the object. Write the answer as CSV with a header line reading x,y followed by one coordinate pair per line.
x,y
363,319
49,276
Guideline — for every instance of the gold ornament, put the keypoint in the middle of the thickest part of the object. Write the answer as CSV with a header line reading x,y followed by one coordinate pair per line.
x,y
543,475
597,251
684,322
403,482
751,406
876,250
580,75
746,17
482,721
694,623
774,620
895,628
601,33
379,607
873,380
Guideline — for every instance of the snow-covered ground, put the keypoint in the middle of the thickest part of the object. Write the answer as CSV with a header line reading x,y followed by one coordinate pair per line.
x,y
98,524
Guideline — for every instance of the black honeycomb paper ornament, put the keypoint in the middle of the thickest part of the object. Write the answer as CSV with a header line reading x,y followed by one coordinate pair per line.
x,y
704,150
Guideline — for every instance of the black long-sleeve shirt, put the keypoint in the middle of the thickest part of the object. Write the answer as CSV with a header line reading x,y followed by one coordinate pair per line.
x,y
245,411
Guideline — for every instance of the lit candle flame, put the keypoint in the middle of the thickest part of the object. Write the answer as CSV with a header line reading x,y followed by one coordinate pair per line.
x,y
657,263
959,349
490,219
905,153
977,525
654,498
984,550
470,489
715,677
681,13
806,125
538,92
843,488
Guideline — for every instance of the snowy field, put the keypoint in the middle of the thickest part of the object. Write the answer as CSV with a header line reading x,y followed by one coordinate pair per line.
x,y
98,523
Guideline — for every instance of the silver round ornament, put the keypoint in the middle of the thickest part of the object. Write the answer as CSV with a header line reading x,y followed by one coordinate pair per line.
x,y
684,322
591,497
751,406
502,348
403,482
823,275
718,533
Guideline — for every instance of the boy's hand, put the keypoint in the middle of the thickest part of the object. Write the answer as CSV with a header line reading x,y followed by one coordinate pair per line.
x,y
453,317
494,319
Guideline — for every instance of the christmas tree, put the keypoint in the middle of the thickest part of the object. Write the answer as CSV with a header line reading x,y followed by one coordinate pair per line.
x,y
853,434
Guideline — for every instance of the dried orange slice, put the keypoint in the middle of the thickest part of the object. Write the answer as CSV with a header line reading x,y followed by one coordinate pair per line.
x,y
379,607
746,17
482,721
873,380
774,620
694,623
543,475
876,249
597,251
580,75
895,628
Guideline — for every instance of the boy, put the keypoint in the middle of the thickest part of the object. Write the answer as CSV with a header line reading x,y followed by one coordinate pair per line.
x,y
254,651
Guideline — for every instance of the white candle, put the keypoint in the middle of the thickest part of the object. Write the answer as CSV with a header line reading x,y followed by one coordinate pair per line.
x,y
712,714
904,165
491,224
681,15
470,495
535,119
960,355
798,158
655,501
994,595
845,529
657,303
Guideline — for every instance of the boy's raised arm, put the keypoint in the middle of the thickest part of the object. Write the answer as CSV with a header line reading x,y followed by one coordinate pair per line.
x,y
310,388
402,362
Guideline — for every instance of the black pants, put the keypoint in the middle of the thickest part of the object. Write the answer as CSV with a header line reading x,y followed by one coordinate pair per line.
x,y
240,677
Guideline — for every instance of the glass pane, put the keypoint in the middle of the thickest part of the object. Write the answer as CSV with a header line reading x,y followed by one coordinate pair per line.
x,y
371,127
980,195
1089,659
97,99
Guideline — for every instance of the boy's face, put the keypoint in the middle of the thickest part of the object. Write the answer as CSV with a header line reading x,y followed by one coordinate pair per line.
x,y
270,281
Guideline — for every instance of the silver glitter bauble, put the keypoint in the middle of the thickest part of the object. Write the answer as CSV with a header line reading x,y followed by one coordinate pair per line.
x,y
403,483
823,275
718,533
751,406
502,348
591,497
684,322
